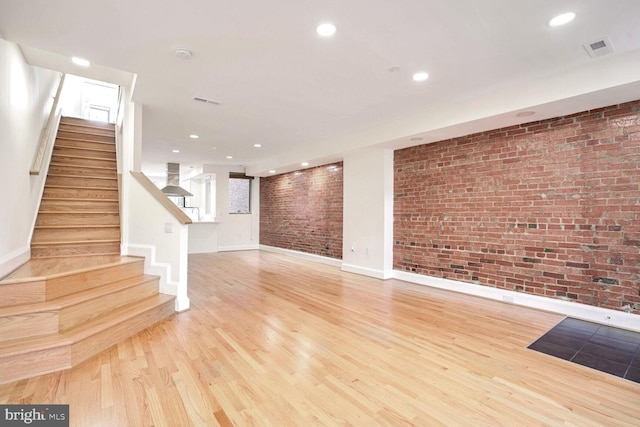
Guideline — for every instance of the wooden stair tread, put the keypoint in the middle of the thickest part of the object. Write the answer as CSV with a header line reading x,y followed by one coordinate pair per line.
x,y
59,227
80,332
74,242
31,344
67,165
72,156
68,138
83,188
101,150
109,178
116,317
42,269
75,298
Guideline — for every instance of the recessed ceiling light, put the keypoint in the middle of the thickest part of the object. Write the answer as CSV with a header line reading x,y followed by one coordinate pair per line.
x,y
175,151
182,53
213,148
420,76
326,29
272,171
304,164
257,145
81,62
229,157
194,136
562,19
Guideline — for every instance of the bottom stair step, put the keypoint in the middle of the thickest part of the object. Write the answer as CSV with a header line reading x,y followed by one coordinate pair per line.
x,y
28,357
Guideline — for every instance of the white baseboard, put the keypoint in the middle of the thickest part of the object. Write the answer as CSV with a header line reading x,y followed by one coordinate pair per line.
x,y
182,303
365,271
151,266
567,308
14,260
311,257
238,248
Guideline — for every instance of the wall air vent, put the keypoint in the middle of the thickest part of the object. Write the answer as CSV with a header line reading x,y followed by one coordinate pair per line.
x,y
598,48
206,101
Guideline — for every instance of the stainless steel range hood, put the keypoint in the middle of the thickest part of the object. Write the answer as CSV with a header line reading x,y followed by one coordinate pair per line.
x,y
173,188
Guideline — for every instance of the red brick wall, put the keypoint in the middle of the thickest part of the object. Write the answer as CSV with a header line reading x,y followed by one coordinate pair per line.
x,y
302,211
548,208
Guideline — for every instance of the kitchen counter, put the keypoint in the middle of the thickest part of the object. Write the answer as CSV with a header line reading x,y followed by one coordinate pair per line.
x,y
203,237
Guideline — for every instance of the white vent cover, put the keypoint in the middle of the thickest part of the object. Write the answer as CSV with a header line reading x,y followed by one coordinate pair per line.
x,y
599,47
206,101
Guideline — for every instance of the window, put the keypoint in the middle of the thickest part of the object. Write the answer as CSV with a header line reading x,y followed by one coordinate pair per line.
x,y
239,194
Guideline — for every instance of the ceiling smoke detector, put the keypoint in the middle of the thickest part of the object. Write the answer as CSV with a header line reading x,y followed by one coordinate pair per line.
x,y
598,48
183,53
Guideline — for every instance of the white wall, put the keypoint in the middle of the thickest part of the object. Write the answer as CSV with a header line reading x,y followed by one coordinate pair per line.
x,y
236,231
26,96
367,244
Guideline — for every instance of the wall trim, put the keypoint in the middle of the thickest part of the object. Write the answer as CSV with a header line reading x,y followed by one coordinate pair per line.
x,y
310,257
238,248
151,266
581,311
15,259
365,271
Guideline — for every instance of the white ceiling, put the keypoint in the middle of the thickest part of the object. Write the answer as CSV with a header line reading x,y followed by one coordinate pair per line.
x,y
305,98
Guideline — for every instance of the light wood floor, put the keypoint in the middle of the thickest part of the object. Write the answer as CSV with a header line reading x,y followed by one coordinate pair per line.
x,y
275,341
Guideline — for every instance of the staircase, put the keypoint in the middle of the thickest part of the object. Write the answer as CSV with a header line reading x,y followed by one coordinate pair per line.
x,y
79,212
76,296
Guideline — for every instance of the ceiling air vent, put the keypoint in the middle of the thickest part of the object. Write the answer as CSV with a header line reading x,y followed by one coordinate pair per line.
x,y
206,101
599,47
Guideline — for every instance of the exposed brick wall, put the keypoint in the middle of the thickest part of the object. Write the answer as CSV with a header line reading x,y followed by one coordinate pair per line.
x,y
302,210
548,208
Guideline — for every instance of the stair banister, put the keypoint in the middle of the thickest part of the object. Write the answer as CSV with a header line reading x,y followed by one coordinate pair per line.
x,y
52,120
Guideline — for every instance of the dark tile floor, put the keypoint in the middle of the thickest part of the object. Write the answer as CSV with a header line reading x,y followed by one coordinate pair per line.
x,y
605,348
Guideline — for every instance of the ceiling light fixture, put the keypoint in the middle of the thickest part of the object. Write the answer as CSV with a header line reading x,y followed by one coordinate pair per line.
x,y
562,19
175,151
182,53
420,76
257,145
326,29
272,171
194,136
81,62
304,164
229,157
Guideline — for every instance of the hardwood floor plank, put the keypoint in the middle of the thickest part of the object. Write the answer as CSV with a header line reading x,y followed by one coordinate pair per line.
x,y
274,340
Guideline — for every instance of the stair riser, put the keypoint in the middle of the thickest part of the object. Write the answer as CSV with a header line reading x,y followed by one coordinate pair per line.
x,y
74,170
71,219
87,130
67,120
87,145
62,286
28,325
72,151
94,344
22,293
79,206
58,251
76,234
68,181
30,364
62,133
89,310
80,193
83,161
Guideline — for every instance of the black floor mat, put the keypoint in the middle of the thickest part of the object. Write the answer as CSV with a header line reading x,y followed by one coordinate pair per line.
x,y
605,348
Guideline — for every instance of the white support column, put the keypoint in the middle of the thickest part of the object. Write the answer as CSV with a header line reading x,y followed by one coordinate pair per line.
x,y
367,246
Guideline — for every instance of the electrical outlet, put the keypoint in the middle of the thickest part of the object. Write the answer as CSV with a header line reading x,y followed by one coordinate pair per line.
x,y
168,227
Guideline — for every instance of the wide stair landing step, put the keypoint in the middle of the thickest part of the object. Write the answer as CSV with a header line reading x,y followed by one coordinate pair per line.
x,y
55,313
